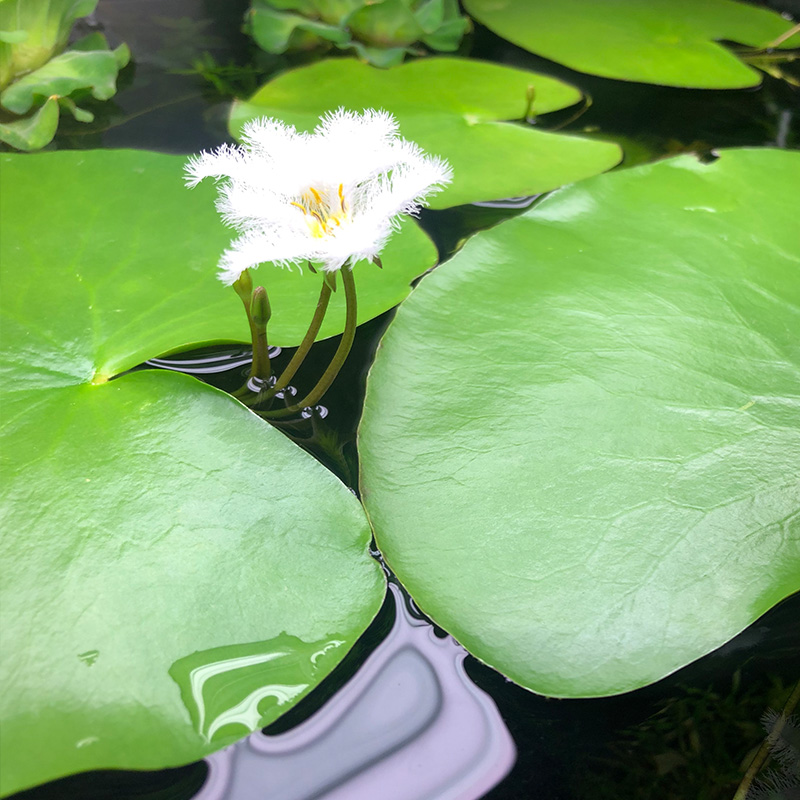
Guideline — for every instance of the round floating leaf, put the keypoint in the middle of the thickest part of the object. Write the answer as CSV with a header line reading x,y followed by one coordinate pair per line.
x,y
176,572
581,437
152,523
451,107
669,42
143,250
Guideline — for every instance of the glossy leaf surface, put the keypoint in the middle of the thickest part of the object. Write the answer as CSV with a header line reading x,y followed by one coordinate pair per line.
x,y
147,519
581,438
175,571
668,42
123,224
453,108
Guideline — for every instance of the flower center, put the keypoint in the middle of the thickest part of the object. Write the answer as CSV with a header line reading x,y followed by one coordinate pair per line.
x,y
324,210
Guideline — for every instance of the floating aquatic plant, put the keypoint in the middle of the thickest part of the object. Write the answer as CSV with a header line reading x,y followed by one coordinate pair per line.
x,y
37,79
381,32
330,198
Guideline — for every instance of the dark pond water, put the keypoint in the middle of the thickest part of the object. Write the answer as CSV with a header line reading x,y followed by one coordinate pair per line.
x,y
457,726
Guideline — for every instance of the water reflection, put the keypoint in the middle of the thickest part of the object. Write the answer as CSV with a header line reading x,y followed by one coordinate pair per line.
x,y
218,361
239,685
409,725
509,202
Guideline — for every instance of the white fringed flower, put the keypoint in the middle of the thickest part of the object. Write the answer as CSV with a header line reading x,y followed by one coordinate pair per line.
x,y
327,197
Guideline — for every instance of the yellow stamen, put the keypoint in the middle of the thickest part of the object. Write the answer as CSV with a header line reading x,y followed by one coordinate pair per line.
x,y
321,216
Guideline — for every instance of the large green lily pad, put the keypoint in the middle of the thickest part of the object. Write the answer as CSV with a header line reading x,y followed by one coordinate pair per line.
x,y
581,437
125,227
668,42
451,107
176,572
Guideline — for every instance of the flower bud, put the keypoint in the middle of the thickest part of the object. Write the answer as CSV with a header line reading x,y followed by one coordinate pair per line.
x,y
260,311
243,286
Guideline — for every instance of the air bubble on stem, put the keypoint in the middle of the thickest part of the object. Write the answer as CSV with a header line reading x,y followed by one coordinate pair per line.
x,y
257,385
309,412
287,392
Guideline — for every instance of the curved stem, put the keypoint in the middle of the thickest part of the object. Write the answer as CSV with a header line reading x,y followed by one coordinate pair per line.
x,y
305,345
338,358
243,287
261,365
767,744
782,38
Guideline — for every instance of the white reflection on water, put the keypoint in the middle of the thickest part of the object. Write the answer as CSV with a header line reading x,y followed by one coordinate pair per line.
x,y
409,725
209,364
509,202
246,712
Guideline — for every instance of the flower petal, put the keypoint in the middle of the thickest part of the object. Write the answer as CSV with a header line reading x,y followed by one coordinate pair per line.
x,y
330,197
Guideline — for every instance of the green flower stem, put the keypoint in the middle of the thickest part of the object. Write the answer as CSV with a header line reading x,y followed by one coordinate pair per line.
x,y
305,345
339,356
260,314
244,288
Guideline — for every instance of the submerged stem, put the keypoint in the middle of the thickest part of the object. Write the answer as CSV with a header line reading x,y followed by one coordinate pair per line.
x,y
305,345
339,356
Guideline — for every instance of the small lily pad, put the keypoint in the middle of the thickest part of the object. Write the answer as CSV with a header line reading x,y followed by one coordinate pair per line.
x,y
463,110
581,438
668,42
